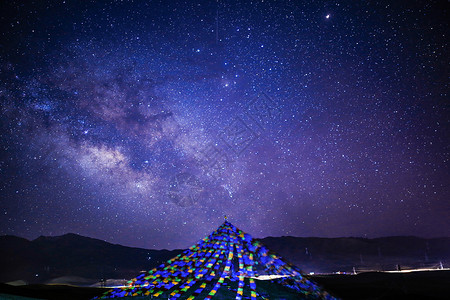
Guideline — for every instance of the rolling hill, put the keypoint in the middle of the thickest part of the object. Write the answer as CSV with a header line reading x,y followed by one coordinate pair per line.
x,y
46,258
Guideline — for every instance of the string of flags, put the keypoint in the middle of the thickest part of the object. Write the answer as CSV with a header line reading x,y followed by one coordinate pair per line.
x,y
226,259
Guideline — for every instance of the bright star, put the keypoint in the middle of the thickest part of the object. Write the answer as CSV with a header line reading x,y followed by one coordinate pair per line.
x,y
327,16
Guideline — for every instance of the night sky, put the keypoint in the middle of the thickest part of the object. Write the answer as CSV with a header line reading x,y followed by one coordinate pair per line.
x,y
144,122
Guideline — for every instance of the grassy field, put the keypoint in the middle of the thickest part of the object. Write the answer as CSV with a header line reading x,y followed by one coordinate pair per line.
x,y
415,285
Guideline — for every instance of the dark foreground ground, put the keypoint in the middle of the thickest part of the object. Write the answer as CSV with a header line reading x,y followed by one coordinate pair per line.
x,y
415,285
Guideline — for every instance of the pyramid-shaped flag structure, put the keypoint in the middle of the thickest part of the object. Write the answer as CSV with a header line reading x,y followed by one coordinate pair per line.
x,y
227,259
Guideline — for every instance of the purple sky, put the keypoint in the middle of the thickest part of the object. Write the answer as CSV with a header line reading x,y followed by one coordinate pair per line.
x,y
144,123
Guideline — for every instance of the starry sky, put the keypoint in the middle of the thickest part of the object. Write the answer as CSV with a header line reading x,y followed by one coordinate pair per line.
x,y
145,122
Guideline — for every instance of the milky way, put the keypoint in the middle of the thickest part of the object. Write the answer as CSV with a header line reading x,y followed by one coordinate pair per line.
x,y
144,123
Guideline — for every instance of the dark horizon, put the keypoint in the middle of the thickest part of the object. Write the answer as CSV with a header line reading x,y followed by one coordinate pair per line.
x,y
144,123
259,238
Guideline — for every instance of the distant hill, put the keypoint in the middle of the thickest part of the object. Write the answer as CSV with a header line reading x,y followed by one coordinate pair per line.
x,y
47,258
342,254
